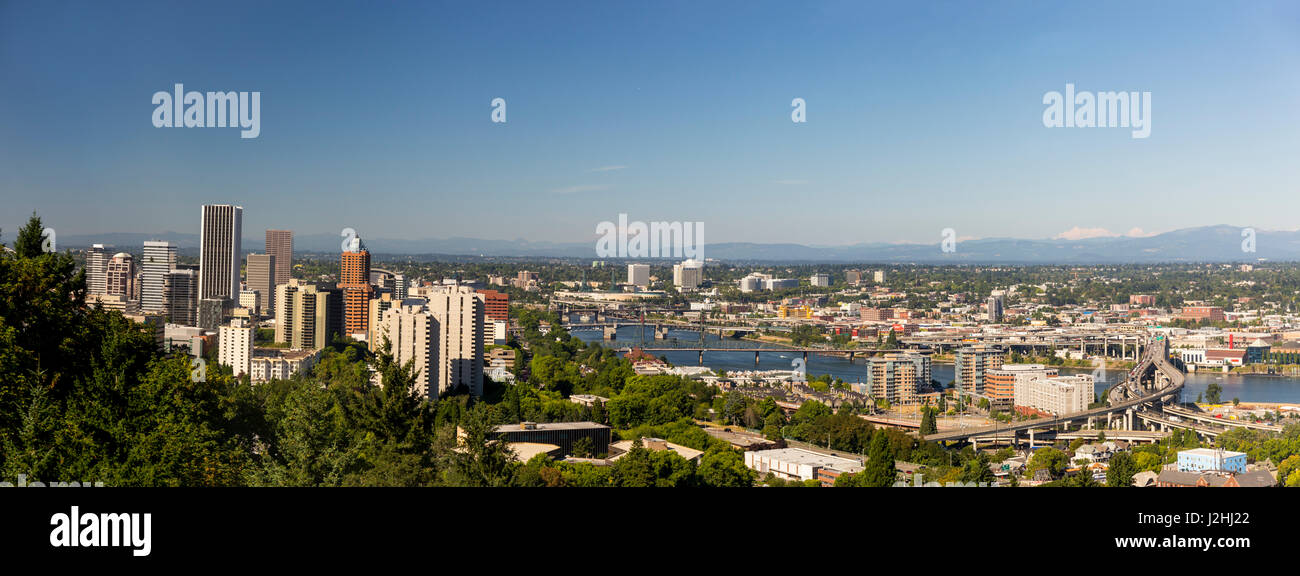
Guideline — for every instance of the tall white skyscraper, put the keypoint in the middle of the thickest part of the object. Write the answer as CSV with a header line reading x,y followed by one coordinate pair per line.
x,y
96,267
159,259
219,251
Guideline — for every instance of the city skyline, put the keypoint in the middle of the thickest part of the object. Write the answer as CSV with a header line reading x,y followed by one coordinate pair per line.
x,y
915,121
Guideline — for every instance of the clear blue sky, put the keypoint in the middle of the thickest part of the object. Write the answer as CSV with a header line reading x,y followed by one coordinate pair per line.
x,y
921,116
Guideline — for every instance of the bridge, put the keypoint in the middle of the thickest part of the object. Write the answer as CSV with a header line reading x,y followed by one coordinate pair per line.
x,y
762,348
1126,399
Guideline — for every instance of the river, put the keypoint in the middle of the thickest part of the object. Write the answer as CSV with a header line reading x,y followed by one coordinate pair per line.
x,y
1247,387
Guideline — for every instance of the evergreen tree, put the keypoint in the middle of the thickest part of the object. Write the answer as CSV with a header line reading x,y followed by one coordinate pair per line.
x,y
880,470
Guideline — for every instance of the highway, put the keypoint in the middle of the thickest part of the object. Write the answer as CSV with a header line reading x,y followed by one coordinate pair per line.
x,y
1130,389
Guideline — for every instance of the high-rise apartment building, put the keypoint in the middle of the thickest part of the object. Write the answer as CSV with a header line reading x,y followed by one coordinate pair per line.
x,y
158,259
413,335
279,243
378,306
971,363
181,289
219,251
260,271
235,346
994,305
899,377
96,264
307,316
354,281
460,315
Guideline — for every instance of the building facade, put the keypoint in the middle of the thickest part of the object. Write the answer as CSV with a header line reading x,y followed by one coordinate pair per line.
x,y
219,251
279,244
260,271
157,260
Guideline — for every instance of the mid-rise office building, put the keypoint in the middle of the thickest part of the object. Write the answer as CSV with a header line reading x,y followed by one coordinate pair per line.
x,y
279,245
250,300
235,346
688,275
1058,395
213,312
260,271
638,275
219,251
1000,383
158,259
181,290
820,280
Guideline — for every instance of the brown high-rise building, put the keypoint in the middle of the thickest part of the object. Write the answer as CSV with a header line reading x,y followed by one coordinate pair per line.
x,y
354,280
260,274
496,305
279,243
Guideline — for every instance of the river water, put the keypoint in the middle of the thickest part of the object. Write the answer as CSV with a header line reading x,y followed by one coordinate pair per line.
x,y
1247,387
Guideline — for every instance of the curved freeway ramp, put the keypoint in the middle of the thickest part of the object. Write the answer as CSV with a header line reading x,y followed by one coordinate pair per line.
x,y
1157,358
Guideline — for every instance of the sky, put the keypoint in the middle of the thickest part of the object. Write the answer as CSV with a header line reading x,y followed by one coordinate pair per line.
x,y
920,116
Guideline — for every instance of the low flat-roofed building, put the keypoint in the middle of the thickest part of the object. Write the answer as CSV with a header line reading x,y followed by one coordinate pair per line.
x,y
276,364
748,442
1209,459
655,445
525,451
1256,479
798,464
588,400
562,434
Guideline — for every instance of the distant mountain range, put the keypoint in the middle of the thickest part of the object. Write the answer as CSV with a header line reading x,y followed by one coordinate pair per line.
x,y
1205,244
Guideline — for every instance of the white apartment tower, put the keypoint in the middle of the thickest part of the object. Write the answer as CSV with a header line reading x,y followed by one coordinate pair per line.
x,y
236,346
412,334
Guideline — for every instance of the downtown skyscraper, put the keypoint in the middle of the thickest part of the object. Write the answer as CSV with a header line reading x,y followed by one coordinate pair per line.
x,y
158,260
354,281
260,275
279,243
219,251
